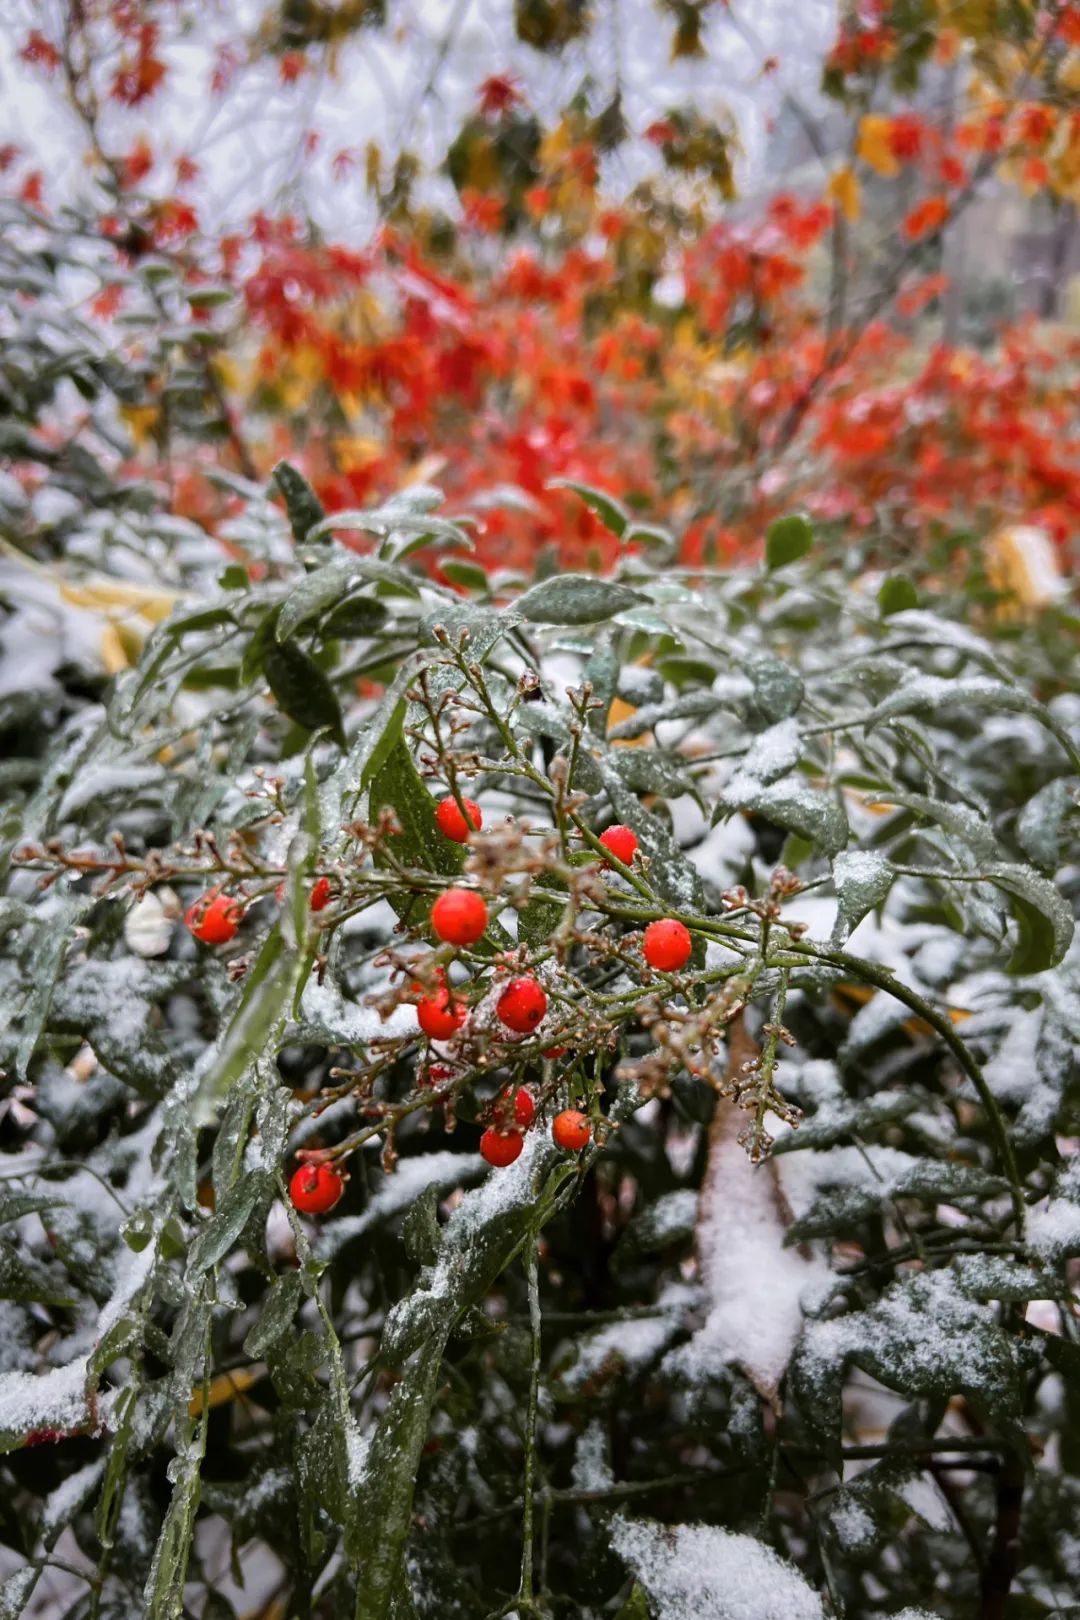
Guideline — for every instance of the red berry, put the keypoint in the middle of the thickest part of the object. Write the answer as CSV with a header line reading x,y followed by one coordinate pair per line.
x,y
522,1005
515,1101
556,1052
459,916
453,823
667,945
571,1130
622,842
440,1016
434,1074
316,1188
214,918
320,894
500,1146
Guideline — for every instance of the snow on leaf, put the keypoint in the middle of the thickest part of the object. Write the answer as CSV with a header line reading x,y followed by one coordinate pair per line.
x,y
754,1285
701,1572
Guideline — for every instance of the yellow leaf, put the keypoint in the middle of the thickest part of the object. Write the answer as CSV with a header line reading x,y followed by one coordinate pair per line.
x,y
874,146
843,188
141,419
121,597
226,1387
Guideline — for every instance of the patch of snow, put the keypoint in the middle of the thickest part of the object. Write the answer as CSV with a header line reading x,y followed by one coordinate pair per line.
x,y
700,1572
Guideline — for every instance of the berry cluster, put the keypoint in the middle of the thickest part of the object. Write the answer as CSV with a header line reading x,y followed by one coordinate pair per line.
x,y
460,918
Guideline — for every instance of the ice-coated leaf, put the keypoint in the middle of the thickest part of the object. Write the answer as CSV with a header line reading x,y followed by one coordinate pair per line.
x,y
787,539
575,599
778,689
302,505
217,1236
301,689
1044,919
933,694
815,815
313,595
1041,824
256,1023
862,881
959,819
611,512
276,1315
16,1591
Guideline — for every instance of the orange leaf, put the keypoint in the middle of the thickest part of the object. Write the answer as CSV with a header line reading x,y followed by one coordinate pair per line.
x,y
843,188
925,217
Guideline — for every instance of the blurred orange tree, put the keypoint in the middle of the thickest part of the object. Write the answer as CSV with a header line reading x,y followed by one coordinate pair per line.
x,y
708,359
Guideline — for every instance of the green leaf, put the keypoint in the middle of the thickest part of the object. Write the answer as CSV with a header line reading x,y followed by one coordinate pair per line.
x,y
895,595
22,1278
302,691
276,1315
217,1236
787,539
469,575
256,1024
611,513
575,599
1040,826
312,596
959,819
923,1337
1043,918
930,694
816,816
778,689
861,881
302,505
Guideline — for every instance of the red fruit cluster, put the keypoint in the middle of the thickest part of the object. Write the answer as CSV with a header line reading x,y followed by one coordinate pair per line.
x,y
316,1188
667,945
453,824
515,1111
459,916
214,918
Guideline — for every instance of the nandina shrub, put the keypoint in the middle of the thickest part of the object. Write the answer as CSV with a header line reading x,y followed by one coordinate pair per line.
x,y
781,1327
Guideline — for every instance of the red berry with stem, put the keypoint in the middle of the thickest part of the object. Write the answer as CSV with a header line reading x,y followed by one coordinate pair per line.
x,y
316,1188
522,1005
571,1130
214,918
440,1016
453,824
518,1104
667,945
459,917
621,842
320,894
499,1146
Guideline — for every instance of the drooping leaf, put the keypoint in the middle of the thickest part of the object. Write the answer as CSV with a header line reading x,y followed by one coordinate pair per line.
x,y
575,599
787,539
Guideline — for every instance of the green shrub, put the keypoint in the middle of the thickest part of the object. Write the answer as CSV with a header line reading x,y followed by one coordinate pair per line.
x,y
767,1347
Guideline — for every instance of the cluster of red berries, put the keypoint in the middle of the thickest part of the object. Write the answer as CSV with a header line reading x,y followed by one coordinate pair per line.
x,y
515,1112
